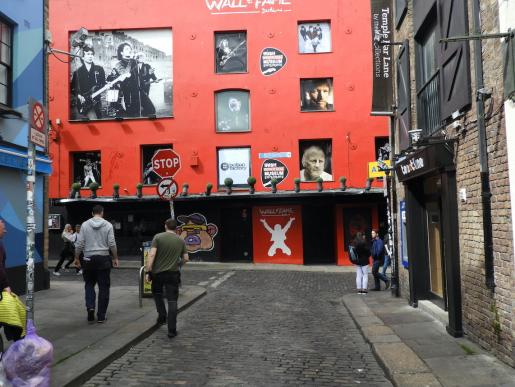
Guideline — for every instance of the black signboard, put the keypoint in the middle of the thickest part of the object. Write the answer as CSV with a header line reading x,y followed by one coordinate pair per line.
x,y
273,169
424,161
382,57
272,60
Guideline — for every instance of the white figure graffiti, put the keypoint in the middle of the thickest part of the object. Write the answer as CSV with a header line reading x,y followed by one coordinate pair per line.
x,y
278,236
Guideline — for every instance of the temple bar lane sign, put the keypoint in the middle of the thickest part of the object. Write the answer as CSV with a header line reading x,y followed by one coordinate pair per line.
x,y
382,57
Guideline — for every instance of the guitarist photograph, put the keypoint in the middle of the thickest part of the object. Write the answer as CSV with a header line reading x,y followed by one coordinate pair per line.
x,y
231,52
87,79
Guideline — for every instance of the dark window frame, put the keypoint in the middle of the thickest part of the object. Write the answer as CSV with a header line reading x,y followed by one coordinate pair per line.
x,y
219,92
141,161
8,66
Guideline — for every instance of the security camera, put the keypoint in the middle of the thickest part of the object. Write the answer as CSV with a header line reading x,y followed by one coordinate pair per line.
x,y
79,38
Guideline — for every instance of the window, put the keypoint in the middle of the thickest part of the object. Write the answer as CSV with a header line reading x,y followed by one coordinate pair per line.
x,y
232,111
87,168
314,37
234,163
316,94
230,52
315,160
428,103
148,176
5,63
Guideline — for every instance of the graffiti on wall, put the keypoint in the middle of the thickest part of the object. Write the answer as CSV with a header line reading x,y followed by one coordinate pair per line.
x,y
198,234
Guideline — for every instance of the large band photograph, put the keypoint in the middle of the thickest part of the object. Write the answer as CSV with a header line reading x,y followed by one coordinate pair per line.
x,y
315,160
314,38
87,168
230,52
122,74
316,94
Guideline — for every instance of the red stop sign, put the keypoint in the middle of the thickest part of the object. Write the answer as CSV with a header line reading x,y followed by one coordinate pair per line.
x,y
166,163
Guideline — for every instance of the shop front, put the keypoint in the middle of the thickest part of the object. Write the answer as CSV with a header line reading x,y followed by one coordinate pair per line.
x,y
429,177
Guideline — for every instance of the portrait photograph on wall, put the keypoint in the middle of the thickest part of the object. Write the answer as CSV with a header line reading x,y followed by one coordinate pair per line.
x,y
315,160
149,177
234,163
122,75
232,111
230,52
314,37
86,168
316,94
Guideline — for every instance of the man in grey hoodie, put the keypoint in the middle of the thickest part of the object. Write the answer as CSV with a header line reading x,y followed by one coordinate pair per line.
x,y
96,240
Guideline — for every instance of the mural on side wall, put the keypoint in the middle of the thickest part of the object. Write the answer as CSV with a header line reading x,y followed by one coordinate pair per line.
x,y
278,234
198,234
122,74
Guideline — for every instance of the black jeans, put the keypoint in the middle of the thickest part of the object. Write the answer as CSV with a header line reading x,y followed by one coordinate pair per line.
x,y
170,281
66,253
97,270
377,275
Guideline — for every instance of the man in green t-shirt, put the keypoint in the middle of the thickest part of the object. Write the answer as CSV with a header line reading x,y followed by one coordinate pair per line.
x,y
167,254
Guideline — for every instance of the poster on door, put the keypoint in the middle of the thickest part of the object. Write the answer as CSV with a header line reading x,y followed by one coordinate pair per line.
x,y
277,234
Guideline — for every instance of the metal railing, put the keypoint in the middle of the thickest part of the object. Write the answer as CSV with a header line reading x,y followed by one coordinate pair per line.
x,y
428,106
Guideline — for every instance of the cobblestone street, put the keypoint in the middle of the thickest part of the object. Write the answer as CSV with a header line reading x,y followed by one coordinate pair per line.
x,y
257,328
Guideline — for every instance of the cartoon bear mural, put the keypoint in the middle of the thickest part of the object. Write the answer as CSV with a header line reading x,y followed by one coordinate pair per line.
x,y
196,232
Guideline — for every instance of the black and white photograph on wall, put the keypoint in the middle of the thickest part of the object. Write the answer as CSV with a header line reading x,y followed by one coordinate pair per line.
x,y
314,37
315,160
316,94
87,168
232,111
230,52
121,75
54,221
149,177
234,163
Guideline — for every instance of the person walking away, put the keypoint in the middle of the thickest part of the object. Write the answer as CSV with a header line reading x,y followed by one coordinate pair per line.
x,y
167,254
387,255
377,251
67,252
361,252
96,241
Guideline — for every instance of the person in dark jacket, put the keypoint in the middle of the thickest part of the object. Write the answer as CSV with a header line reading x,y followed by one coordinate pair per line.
x,y
362,251
377,250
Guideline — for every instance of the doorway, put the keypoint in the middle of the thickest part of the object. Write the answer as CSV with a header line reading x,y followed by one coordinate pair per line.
x,y
236,234
318,235
435,255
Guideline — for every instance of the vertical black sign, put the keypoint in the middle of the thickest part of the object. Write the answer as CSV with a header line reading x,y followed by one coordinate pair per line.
x,y
382,58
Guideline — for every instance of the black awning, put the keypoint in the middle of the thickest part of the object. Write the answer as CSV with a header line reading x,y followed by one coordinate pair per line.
x,y
423,161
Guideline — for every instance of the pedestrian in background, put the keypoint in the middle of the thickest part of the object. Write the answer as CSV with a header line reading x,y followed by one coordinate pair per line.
x,y
387,255
165,258
377,251
67,253
362,259
96,241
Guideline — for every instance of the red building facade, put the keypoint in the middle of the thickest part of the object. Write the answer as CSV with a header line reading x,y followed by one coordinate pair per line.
x,y
292,77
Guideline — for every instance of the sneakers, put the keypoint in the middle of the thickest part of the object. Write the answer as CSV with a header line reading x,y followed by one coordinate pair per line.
x,y
79,272
91,315
172,334
56,273
387,285
101,320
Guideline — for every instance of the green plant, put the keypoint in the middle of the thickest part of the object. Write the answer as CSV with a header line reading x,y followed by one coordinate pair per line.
x,y
228,182
343,183
251,180
139,186
76,186
209,187
75,191
296,180
496,323
116,186
94,186
273,182
116,191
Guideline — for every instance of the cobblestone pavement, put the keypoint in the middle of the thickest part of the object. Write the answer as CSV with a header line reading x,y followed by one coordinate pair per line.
x,y
255,328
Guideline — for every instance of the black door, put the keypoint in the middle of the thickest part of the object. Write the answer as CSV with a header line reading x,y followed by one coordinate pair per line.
x,y
236,234
318,234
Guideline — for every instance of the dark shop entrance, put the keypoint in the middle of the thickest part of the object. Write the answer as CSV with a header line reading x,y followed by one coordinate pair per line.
x,y
318,234
236,226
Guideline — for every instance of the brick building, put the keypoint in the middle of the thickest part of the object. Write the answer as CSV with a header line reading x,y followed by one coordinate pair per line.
x,y
455,220
22,66
237,89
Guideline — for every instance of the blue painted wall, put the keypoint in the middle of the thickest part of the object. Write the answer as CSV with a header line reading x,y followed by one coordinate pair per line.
x,y
26,17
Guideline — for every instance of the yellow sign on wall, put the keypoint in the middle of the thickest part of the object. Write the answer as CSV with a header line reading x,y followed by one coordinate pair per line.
x,y
375,171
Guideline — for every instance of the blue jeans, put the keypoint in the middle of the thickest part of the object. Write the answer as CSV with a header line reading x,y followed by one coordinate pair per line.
x,y
97,270
377,275
169,280
387,261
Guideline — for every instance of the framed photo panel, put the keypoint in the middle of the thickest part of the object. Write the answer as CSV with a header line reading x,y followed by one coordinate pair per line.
x,y
232,111
230,52
122,74
87,168
148,176
316,94
314,37
234,163
315,160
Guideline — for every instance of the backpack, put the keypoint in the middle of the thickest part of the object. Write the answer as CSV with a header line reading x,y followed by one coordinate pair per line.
x,y
352,255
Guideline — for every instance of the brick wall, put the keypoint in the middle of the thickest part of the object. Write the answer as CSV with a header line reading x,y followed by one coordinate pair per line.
x,y
488,316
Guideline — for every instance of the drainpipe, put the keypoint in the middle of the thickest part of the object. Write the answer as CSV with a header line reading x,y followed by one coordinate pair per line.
x,y
483,151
